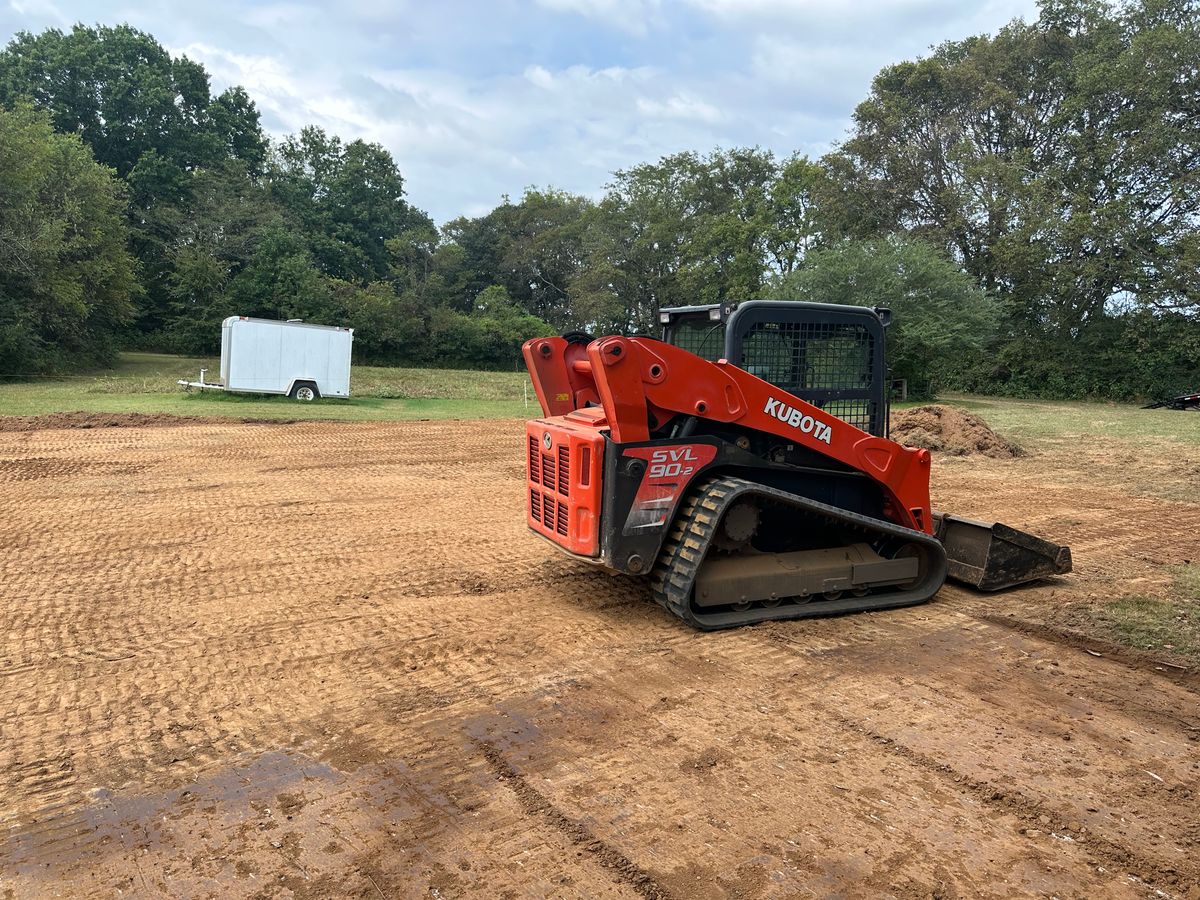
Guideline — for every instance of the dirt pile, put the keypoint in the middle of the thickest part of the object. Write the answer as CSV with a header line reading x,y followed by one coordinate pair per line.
x,y
119,420
949,430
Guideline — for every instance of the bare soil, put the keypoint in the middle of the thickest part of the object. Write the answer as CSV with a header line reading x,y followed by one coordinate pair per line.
x,y
118,420
950,430
328,660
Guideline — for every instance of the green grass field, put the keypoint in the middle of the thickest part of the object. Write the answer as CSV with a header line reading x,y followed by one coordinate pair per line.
x,y
1058,421
1157,624
146,383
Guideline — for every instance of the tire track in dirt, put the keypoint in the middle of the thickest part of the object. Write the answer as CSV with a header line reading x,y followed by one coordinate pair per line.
x,y
1183,676
1032,813
923,684
534,803
462,684
839,798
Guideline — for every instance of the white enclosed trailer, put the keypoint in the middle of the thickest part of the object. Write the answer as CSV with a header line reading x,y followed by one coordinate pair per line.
x,y
261,356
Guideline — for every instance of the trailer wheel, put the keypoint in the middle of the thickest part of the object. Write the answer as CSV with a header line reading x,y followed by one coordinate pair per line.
x,y
304,391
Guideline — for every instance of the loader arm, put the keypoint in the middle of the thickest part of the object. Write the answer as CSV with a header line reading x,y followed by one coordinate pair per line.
x,y
642,384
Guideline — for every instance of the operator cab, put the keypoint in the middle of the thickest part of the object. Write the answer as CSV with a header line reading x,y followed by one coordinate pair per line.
x,y
832,356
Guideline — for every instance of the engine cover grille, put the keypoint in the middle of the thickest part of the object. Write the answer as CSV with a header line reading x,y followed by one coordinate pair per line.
x,y
563,481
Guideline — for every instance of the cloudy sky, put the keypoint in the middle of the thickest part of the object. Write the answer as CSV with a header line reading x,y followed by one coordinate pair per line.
x,y
481,99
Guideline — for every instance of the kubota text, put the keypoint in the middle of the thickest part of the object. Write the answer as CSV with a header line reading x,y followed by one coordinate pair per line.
x,y
794,417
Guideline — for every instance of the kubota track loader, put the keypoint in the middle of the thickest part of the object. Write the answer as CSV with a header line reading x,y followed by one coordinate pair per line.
x,y
743,464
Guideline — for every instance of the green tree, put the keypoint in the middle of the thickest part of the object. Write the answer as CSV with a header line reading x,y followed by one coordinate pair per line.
x,y
637,244
1059,160
476,260
149,116
501,325
942,319
694,229
347,199
281,281
725,200
541,251
66,279
205,252
533,249
793,213
630,265
125,96
388,327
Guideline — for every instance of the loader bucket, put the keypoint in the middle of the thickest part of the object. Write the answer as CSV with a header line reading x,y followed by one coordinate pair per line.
x,y
990,556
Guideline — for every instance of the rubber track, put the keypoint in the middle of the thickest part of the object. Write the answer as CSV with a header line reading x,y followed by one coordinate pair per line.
x,y
695,525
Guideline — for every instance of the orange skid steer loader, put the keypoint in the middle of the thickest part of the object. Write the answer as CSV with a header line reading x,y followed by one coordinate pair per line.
x,y
743,464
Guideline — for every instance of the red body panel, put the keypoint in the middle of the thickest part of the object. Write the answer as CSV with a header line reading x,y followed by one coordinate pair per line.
x,y
563,464
639,382
669,470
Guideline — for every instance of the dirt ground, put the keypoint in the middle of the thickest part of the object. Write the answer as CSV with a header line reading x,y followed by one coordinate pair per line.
x,y
321,660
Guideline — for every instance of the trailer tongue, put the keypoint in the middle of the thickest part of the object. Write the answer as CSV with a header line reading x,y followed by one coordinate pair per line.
x,y
1180,401
757,483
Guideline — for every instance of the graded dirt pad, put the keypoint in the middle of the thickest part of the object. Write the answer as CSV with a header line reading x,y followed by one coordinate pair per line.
x,y
327,660
101,420
949,430
56,421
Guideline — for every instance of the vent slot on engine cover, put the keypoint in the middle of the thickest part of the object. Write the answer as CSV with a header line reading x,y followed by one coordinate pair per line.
x,y
564,471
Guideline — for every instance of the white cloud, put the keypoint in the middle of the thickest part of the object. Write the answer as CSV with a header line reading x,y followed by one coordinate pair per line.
x,y
680,106
38,10
271,83
280,15
828,78
633,16
539,76
852,13
582,78
480,100
741,9
568,127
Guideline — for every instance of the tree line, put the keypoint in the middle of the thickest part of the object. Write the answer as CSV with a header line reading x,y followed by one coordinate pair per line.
x,y
1027,202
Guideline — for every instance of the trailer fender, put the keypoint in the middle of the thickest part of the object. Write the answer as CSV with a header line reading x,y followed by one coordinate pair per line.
x,y
304,389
